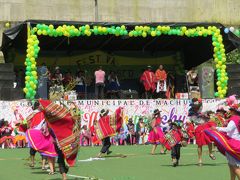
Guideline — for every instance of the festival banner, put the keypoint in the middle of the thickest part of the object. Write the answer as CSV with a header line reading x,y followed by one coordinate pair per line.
x,y
174,109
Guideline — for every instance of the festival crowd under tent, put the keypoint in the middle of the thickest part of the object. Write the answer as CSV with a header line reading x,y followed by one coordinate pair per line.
x,y
196,43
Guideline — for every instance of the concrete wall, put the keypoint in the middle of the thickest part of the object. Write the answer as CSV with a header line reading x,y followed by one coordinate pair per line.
x,y
223,11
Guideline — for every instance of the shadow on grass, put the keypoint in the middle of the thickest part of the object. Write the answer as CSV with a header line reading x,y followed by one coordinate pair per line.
x,y
115,156
40,172
204,164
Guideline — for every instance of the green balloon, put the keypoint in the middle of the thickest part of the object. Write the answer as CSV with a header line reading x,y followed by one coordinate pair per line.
x,y
139,33
27,85
158,33
28,95
95,31
125,32
28,68
216,94
135,33
121,32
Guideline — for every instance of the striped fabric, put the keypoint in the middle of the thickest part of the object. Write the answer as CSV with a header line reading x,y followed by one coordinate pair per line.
x,y
107,126
65,127
224,143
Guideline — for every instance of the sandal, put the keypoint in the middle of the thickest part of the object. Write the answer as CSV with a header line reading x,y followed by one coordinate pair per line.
x,y
212,157
51,173
200,164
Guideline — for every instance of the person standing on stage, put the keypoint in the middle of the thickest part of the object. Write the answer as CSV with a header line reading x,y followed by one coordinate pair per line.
x,y
148,79
99,83
161,78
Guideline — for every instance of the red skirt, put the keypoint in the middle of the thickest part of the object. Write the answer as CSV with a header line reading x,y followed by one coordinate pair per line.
x,y
156,137
5,138
201,137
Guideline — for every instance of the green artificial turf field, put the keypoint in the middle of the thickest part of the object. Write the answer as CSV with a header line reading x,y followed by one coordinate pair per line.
x,y
137,165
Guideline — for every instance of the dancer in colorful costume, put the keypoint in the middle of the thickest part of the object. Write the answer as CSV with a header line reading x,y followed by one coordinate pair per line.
x,y
201,123
176,149
156,135
65,126
227,140
105,127
40,139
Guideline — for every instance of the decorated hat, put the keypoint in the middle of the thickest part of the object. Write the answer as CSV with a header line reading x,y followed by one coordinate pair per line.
x,y
104,112
156,111
235,107
149,67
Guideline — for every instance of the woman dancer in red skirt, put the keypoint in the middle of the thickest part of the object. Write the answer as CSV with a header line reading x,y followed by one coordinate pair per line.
x,y
156,134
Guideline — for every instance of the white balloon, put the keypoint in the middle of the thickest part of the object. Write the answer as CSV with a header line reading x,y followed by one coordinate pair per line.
x,y
231,29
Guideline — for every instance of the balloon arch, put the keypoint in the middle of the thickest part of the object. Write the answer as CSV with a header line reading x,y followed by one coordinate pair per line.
x,y
31,77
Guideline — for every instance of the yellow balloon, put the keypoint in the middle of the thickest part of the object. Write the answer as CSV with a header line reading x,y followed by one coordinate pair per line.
x,y
104,29
34,73
153,33
29,40
27,78
123,27
31,83
33,66
25,90
31,53
35,29
144,34
44,32
34,86
87,26
130,34
51,26
7,24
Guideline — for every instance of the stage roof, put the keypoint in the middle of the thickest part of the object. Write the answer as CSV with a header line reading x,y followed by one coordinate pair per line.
x,y
196,50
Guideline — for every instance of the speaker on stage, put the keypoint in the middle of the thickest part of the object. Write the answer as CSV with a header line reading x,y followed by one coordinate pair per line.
x,y
128,94
206,80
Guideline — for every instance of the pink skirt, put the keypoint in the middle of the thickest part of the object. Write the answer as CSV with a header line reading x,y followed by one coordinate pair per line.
x,y
156,137
43,144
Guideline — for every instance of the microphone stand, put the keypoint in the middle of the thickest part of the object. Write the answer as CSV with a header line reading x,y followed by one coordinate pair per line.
x,y
85,74
188,88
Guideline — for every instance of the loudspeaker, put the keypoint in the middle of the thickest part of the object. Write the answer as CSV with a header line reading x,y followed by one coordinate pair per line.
x,y
126,94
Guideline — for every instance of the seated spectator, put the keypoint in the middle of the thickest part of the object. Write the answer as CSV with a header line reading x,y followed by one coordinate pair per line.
x,y
86,136
140,131
131,135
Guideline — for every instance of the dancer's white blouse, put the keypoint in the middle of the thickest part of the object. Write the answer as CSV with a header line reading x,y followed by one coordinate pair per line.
x,y
231,130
